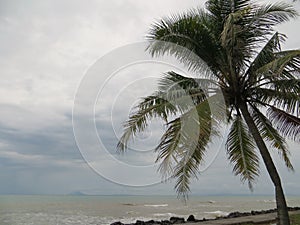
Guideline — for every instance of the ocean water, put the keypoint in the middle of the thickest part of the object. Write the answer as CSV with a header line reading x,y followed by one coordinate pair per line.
x,y
103,210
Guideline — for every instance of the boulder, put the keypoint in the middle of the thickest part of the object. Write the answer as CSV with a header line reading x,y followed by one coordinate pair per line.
x,y
176,220
117,223
191,218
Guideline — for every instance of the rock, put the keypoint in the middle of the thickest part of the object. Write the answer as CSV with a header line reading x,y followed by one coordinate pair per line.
x,y
117,223
191,218
234,215
139,222
175,220
152,222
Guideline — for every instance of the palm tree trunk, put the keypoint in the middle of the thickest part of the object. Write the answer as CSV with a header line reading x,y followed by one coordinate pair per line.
x,y
282,210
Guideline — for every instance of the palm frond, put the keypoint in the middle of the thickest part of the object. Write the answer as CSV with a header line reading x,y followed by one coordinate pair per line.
x,y
286,85
265,55
184,144
152,106
287,124
223,8
176,86
168,147
270,15
270,134
285,65
240,149
184,82
176,94
288,101
191,32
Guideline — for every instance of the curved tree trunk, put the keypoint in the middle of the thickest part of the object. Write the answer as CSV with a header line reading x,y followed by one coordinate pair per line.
x,y
282,210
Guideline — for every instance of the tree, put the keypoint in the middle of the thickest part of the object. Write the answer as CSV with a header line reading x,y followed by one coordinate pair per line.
x,y
259,81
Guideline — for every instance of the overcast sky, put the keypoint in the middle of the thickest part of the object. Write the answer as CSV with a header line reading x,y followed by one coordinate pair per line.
x,y
46,49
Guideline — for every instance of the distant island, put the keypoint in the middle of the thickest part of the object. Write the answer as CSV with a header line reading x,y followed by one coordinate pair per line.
x,y
77,193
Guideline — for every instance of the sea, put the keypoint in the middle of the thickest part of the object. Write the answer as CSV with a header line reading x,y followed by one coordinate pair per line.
x,y
104,210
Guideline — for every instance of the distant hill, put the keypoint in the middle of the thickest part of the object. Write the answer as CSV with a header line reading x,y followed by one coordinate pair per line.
x,y
77,193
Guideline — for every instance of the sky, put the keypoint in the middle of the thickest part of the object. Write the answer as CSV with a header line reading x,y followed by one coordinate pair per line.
x,y
48,50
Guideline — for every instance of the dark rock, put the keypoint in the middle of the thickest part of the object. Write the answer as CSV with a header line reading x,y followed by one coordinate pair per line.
x,y
293,208
175,220
152,222
117,223
165,222
234,215
139,222
247,214
191,218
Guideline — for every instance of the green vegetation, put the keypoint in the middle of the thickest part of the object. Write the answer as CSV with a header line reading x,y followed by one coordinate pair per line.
x,y
235,40
295,219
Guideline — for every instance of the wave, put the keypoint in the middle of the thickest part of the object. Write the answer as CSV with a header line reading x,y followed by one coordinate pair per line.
x,y
132,213
160,205
131,219
164,214
218,213
267,201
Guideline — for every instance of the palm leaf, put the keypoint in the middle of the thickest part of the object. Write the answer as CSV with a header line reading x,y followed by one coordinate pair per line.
x,y
177,94
288,101
286,85
184,144
240,149
179,87
287,124
270,134
189,32
168,147
265,55
284,65
193,149
270,15
150,107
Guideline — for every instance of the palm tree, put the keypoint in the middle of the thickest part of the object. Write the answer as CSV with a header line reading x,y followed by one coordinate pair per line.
x,y
259,81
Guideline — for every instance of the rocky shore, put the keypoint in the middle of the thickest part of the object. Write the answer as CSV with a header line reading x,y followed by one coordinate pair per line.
x,y
192,219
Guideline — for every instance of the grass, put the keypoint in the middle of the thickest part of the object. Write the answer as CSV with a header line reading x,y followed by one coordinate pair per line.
x,y
295,219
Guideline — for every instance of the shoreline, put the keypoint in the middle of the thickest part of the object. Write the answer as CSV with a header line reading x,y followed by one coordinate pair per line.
x,y
265,216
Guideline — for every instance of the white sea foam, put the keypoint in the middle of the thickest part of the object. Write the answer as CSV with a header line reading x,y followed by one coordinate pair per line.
x,y
164,214
159,205
131,213
133,219
267,200
218,213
